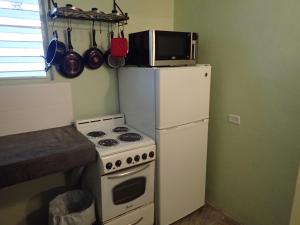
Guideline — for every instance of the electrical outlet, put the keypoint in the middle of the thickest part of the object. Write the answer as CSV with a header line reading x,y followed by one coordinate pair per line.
x,y
235,119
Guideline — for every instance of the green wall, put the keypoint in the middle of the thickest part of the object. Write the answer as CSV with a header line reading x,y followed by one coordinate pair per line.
x,y
94,93
254,49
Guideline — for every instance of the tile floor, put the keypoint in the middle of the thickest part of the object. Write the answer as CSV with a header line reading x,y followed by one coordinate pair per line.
x,y
207,215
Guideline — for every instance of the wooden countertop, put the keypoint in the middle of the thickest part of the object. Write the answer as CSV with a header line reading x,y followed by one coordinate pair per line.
x,y
31,155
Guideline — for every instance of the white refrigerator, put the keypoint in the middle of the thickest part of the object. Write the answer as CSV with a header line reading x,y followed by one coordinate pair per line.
x,y
171,105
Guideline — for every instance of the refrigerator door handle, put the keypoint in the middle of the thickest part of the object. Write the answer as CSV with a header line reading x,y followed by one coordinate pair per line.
x,y
201,121
206,120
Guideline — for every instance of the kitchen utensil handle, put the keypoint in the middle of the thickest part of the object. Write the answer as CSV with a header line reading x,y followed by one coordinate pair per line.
x,y
55,34
53,3
111,35
70,46
118,29
128,173
47,67
94,38
138,221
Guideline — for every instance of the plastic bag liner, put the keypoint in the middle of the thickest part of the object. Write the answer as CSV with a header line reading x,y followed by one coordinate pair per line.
x,y
72,208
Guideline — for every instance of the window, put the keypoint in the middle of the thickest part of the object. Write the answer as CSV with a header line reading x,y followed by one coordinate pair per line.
x,y
21,41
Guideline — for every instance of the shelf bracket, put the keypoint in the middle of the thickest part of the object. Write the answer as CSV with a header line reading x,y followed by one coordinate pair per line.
x,y
115,7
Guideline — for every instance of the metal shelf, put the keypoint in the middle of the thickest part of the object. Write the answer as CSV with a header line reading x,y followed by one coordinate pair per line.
x,y
69,12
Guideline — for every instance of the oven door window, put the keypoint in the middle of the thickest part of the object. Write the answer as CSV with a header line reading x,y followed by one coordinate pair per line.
x,y
172,45
129,190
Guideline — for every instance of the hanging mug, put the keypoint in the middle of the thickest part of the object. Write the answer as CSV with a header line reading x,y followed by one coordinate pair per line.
x,y
119,45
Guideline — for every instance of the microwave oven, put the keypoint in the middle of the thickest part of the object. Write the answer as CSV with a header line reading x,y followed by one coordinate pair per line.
x,y
162,48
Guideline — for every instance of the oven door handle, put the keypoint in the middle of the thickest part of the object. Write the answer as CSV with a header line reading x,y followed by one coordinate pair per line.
x,y
128,173
138,221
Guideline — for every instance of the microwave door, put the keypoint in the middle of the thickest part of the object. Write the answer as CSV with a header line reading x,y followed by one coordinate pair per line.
x,y
172,46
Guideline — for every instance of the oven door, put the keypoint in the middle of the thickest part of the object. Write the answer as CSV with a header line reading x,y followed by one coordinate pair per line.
x,y
126,190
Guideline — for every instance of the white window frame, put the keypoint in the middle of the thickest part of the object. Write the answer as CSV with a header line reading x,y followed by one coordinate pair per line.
x,y
44,31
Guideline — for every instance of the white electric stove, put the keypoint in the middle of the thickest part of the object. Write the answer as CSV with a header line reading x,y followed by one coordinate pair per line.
x,y
118,145
127,170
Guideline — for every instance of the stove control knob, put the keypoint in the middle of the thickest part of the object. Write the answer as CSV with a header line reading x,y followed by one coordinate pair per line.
x,y
129,160
144,156
118,163
108,165
137,158
151,154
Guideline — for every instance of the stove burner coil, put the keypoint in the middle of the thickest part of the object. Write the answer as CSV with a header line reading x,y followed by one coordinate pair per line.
x,y
96,134
130,137
120,129
108,142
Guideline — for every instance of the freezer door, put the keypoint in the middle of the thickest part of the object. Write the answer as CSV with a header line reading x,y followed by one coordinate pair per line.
x,y
182,95
181,171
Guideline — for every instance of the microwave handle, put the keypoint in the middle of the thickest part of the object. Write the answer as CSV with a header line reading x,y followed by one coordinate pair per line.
x,y
127,173
194,46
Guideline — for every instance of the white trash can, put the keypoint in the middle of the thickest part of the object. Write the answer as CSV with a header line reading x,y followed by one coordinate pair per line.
x,y
72,208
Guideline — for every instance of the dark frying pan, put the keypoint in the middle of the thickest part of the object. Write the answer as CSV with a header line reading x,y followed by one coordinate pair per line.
x,y
93,57
111,61
72,63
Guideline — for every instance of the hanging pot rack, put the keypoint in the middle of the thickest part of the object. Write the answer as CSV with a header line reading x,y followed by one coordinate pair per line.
x,y
69,12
